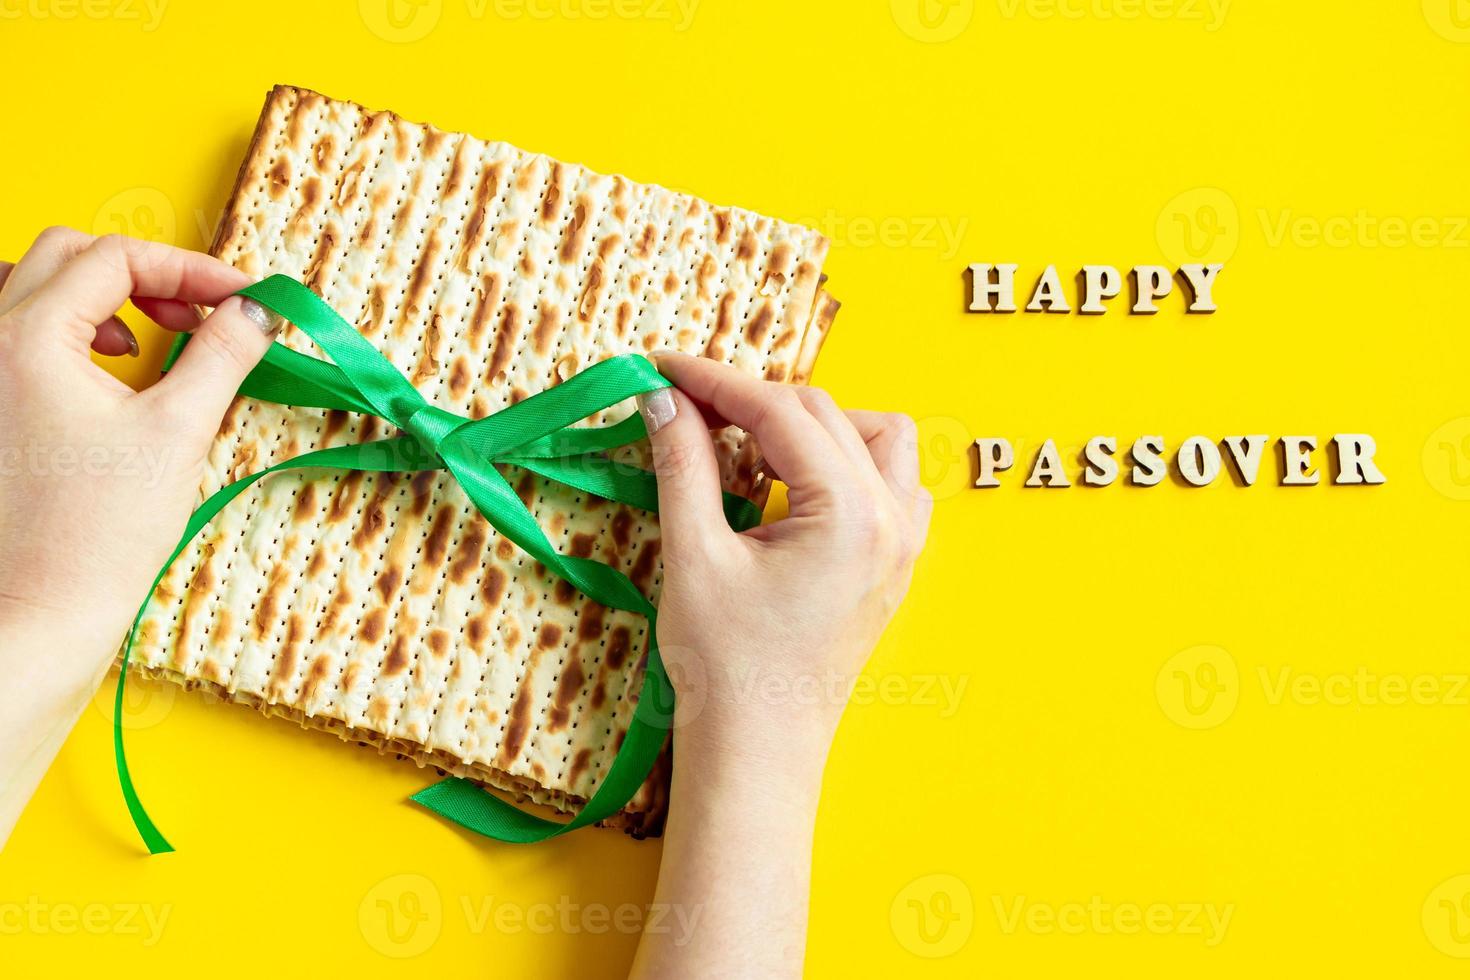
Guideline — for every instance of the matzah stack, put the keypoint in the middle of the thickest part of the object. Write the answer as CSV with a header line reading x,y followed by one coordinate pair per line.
x,y
383,607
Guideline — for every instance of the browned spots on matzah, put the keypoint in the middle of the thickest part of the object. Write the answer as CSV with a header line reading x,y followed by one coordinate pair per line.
x,y
518,722
459,377
592,292
434,142
437,545
286,659
724,327
619,642
374,625
708,270
351,183
280,179
644,248
428,365
645,565
344,502
378,710
505,338
492,585
322,151
760,324
314,677
389,579
305,504
578,767
487,298
548,320
779,262
421,487
317,270
438,643
467,553
265,609
419,279
475,631
624,319
374,515
397,660
551,203
622,526
576,233
745,251
457,169
589,624
474,235
567,689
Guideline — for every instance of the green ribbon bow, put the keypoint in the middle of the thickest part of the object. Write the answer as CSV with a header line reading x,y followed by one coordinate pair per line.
x,y
536,434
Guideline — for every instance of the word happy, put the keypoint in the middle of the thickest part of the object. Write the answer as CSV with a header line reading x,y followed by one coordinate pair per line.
x,y
1197,462
993,288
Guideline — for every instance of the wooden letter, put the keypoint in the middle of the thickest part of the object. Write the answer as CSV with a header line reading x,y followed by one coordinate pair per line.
x,y
1100,282
1201,285
1047,472
1199,461
995,454
1153,282
1102,468
1297,458
1246,453
1149,467
1002,290
1355,460
1048,296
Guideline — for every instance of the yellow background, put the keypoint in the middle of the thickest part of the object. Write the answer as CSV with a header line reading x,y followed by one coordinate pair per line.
x,y
1076,773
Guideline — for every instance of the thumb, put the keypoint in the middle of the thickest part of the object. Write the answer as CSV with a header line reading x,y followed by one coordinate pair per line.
x,y
689,503
223,349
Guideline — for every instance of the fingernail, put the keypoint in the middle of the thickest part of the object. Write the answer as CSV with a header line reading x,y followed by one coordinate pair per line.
x,y
269,322
658,409
132,345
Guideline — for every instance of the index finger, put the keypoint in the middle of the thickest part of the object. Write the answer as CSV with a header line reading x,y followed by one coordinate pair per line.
x,y
790,437
95,284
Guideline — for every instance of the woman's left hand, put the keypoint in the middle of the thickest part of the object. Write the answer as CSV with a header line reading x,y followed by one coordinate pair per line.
x,y
96,480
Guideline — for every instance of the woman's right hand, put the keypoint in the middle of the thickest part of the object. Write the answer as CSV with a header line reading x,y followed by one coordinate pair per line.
x,y
765,631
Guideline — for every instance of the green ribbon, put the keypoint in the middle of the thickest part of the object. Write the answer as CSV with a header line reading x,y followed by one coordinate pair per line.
x,y
536,434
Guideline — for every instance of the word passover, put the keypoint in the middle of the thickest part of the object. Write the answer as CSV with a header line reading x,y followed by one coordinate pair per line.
x,y
1197,462
993,288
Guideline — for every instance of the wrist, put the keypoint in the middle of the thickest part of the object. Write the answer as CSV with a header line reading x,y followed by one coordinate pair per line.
x,y
753,756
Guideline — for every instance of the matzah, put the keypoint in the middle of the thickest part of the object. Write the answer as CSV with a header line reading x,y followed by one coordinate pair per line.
x,y
383,607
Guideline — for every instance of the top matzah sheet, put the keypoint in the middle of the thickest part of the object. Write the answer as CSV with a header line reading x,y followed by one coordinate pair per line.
x,y
384,607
